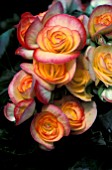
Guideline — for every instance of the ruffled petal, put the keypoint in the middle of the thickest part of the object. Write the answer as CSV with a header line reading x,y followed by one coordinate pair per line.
x,y
48,57
24,110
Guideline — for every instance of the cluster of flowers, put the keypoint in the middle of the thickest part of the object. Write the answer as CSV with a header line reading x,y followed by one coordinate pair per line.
x,y
62,50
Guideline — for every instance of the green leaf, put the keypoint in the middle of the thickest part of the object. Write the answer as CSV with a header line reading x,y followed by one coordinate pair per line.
x,y
89,10
4,40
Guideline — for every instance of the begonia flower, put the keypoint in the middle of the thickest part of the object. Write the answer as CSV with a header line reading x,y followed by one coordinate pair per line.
x,y
100,21
101,61
81,115
29,27
21,87
49,126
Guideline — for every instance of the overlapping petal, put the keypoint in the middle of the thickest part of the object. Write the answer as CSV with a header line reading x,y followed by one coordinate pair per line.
x,y
77,86
20,112
49,126
100,21
30,69
55,73
81,115
21,87
102,64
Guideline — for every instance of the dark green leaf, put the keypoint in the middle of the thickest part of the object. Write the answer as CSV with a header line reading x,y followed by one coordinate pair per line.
x,y
4,40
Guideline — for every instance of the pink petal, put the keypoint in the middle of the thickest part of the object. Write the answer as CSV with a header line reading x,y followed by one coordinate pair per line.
x,y
29,106
29,69
47,57
31,34
54,9
42,94
9,111
27,54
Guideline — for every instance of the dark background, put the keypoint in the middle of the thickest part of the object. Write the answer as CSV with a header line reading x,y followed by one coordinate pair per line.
x,y
18,150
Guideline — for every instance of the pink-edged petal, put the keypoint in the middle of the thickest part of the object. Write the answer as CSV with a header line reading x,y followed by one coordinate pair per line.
x,y
70,22
31,34
56,8
27,54
13,91
37,138
84,19
90,111
60,116
42,94
9,111
24,110
29,69
90,55
47,57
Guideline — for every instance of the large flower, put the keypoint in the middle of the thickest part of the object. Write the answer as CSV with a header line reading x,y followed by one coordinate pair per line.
x,y
59,41
81,115
100,21
49,126
29,27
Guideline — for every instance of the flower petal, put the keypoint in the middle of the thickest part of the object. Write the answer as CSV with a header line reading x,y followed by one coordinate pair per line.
x,y
48,57
24,110
27,54
37,138
54,9
9,111
60,116
29,69
42,94
31,34
70,22
90,111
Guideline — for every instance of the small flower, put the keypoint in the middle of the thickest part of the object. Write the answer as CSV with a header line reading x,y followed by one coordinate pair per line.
x,y
101,61
49,126
100,21
81,115
21,87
